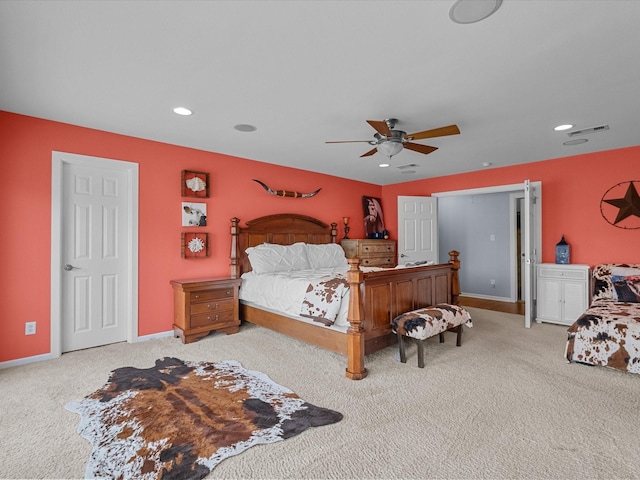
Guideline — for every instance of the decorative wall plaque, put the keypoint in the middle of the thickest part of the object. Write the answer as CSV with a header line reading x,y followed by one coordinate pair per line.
x,y
620,205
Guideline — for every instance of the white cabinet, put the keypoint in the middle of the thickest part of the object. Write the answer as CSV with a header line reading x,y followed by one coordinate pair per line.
x,y
563,292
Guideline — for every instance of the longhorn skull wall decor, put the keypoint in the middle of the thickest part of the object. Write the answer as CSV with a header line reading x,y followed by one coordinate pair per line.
x,y
287,193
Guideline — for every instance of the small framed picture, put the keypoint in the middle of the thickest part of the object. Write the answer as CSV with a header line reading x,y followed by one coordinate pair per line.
x,y
194,214
195,184
194,245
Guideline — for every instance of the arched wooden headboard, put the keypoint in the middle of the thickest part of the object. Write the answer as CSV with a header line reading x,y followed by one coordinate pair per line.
x,y
281,229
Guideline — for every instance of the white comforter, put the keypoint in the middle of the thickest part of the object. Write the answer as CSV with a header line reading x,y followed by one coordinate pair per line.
x,y
286,292
291,293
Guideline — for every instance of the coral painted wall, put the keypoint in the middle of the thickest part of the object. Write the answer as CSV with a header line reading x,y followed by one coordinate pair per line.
x,y
571,191
572,188
25,191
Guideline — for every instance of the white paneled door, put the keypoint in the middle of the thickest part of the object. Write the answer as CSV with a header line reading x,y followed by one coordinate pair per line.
x,y
530,254
95,254
417,229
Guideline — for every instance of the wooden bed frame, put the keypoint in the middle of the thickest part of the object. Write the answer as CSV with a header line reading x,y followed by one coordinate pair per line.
x,y
375,297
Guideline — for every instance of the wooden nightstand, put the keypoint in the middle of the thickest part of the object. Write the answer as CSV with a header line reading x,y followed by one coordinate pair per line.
x,y
205,304
371,252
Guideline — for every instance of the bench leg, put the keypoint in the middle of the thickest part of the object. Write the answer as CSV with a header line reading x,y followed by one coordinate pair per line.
x,y
441,337
420,353
459,338
403,354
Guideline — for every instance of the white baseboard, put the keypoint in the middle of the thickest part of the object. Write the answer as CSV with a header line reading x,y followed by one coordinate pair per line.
x,y
155,336
48,356
26,360
487,297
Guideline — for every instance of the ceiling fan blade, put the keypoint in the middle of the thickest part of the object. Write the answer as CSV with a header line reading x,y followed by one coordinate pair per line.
x,y
436,132
416,147
369,153
380,126
349,141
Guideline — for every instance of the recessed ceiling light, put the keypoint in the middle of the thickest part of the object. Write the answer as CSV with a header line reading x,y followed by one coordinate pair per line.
x,y
486,164
383,165
560,128
182,111
408,172
576,141
244,127
472,11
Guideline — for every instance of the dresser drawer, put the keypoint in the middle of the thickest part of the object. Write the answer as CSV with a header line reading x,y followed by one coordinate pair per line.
x,y
378,261
208,295
372,248
216,306
211,319
550,272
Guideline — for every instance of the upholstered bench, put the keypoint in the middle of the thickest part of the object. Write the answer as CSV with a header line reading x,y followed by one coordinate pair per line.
x,y
427,322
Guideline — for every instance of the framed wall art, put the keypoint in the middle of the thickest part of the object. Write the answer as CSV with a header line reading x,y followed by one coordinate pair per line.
x,y
194,245
373,218
194,214
194,184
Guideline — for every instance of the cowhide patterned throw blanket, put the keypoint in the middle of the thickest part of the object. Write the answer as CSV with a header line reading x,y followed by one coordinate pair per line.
x,y
323,298
179,419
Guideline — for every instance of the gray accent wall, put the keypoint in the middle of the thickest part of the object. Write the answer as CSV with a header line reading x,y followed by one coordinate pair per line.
x,y
478,226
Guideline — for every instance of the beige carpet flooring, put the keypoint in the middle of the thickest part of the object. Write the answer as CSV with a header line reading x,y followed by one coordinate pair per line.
x,y
503,405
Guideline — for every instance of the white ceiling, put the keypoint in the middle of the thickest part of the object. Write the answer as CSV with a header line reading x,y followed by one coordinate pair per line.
x,y
304,72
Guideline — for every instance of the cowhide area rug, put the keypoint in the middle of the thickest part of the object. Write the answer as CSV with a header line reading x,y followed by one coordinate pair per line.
x,y
179,419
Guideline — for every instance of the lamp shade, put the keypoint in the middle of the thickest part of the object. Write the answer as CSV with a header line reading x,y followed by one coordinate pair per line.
x,y
390,148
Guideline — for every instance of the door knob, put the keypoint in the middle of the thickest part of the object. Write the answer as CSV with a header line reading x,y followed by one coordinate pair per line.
x,y
68,267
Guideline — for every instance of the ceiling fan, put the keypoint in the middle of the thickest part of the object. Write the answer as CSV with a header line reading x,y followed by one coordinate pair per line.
x,y
390,142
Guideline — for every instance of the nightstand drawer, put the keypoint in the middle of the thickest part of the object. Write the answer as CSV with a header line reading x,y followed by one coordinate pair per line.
x,y
207,295
216,306
211,319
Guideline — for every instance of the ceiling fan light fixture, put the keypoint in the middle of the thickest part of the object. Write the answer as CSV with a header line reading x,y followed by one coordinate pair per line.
x,y
390,148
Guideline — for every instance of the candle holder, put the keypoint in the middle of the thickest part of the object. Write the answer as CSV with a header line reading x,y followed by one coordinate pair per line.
x,y
346,227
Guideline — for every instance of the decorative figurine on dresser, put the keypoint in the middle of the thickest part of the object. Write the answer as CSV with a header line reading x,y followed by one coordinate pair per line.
x,y
204,305
563,252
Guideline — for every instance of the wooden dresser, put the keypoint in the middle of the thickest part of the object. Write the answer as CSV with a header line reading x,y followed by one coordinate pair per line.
x,y
371,252
203,305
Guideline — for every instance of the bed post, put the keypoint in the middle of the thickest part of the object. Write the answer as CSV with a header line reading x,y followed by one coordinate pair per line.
x,y
455,280
235,230
355,334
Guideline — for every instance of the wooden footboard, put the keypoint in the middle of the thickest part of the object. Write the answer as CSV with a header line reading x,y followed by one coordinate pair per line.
x,y
375,297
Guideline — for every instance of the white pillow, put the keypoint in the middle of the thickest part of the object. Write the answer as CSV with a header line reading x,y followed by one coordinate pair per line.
x,y
624,271
271,258
328,255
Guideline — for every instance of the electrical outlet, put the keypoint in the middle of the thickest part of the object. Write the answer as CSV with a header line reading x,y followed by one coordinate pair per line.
x,y
30,328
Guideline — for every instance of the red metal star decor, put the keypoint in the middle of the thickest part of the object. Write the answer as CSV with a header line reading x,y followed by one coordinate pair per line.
x,y
627,204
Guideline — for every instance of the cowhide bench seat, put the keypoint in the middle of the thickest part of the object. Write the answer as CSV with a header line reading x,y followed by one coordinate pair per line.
x,y
427,322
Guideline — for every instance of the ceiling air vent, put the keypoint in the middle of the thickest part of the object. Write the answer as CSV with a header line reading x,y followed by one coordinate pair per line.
x,y
586,131
411,165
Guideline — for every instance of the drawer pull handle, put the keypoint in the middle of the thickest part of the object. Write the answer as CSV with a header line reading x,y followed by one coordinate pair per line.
x,y
212,308
196,296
